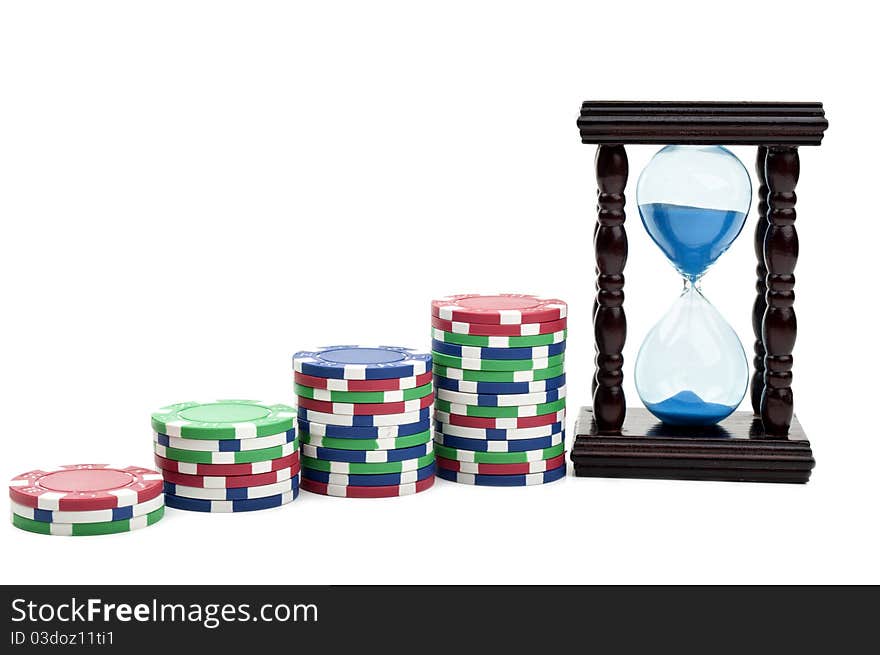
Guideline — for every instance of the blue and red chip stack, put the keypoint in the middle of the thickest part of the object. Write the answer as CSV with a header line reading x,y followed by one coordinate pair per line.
x,y
499,374
364,417
227,455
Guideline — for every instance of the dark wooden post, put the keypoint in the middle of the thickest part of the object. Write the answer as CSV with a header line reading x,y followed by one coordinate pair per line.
x,y
609,320
757,388
780,255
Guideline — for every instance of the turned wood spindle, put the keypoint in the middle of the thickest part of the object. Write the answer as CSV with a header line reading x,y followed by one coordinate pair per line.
x,y
779,330
609,321
757,388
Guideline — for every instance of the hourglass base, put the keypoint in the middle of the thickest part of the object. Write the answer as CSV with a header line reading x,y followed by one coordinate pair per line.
x,y
735,450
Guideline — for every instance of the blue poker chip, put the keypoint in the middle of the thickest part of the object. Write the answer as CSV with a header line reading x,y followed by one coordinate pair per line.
x,y
491,446
478,352
366,456
363,420
316,429
370,480
362,362
485,480
232,493
222,506
498,434
465,386
225,445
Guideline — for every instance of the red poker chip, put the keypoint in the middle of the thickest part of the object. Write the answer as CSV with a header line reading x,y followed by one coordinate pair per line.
x,y
343,491
523,468
501,309
85,487
391,384
370,409
227,469
500,423
232,481
487,330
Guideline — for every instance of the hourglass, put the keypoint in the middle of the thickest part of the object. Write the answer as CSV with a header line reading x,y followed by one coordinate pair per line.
x,y
691,371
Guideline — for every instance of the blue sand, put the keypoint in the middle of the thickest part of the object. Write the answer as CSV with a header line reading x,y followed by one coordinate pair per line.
x,y
691,237
687,408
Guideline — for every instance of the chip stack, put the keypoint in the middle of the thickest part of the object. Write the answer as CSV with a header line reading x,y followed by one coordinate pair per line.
x,y
364,418
227,455
86,499
500,384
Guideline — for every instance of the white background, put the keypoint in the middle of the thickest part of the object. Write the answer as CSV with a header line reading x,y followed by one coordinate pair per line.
x,y
192,191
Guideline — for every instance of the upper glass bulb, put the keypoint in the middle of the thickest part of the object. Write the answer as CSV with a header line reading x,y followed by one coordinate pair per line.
x,y
693,201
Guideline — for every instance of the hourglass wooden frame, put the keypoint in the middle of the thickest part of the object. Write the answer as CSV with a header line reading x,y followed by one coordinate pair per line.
x,y
768,445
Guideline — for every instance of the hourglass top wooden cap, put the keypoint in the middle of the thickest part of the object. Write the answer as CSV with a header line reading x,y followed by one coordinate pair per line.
x,y
703,123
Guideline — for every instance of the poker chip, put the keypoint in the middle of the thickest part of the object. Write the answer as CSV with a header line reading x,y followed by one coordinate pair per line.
x,y
374,480
225,445
501,469
367,397
234,457
528,341
477,352
374,425
498,364
484,445
367,456
498,388
232,481
371,420
367,444
362,362
507,423
226,506
372,468
361,409
500,400
89,516
361,432
88,529
533,375
501,309
232,493
343,491
223,419
85,487
488,330
513,411
388,384
499,434
462,455
249,468
525,480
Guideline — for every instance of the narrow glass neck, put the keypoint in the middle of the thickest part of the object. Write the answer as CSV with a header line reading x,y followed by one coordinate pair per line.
x,y
688,284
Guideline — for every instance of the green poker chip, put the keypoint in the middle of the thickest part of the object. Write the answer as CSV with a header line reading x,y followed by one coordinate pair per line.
x,y
499,342
497,364
390,443
369,468
364,396
456,373
500,412
88,529
226,457
223,419
481,457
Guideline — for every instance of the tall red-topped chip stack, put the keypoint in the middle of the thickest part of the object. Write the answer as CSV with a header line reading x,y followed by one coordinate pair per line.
x,y
499,378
